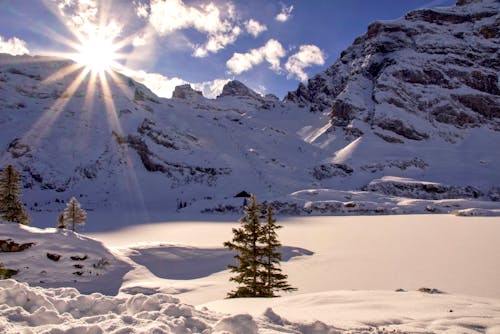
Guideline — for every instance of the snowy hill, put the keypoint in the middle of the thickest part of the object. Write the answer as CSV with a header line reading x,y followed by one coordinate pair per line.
x,y
406,117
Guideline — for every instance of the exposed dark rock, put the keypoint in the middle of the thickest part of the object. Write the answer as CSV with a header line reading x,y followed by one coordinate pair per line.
x,y
438,17
79,258
398,127
6,273
181,173
422,190
447,114
237,88
427,76
487,83
10,245
18,149
389,139
53,257
160,138
401,164
327,171
242,194
342,113
490,31
482,104
429,290
186,92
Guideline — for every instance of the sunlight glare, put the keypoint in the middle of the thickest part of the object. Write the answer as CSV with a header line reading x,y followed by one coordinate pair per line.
x,y
97,54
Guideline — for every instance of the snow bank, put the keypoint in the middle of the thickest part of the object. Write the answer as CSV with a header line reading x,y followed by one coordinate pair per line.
x,y
62,258
372,311
476,212
25,309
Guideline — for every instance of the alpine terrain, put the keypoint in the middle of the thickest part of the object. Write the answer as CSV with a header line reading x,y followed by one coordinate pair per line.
x,y
406,120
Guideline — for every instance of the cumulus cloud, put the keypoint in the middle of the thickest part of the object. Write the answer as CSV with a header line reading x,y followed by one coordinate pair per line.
x,y
254,28
307,56
82,17
13,46
164,86
285,14
211,89
219,23
272,52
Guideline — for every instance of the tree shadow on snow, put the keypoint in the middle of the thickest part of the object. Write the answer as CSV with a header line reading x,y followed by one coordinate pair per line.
x,y
184,263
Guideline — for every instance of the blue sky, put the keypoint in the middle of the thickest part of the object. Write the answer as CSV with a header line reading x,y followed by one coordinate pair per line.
x,y
269,45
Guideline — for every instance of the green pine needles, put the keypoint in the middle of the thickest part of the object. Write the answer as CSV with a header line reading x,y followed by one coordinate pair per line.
x,y
11,208
256,244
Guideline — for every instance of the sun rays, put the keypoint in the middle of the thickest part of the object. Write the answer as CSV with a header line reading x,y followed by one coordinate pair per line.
x,y
84,84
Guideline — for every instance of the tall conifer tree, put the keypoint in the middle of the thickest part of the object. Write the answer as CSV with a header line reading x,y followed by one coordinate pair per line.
x,y
248,253
11,208
258,271
271,272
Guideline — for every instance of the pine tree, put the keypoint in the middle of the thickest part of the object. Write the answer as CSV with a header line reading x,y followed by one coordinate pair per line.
x,y
274,279
73,214
248,253
11,208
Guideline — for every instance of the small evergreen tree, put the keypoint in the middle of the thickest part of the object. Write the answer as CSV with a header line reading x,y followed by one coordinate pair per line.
x,y
73,214
11,208
248,253
258,271
274,279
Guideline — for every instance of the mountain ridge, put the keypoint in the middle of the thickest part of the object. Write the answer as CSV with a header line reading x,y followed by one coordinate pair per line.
x,y
389,132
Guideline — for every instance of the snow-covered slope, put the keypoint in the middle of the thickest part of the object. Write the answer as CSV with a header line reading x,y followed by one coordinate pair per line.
x,y
55,258
415,98
359,275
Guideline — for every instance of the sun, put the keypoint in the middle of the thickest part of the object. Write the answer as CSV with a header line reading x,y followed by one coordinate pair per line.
x,y
97,54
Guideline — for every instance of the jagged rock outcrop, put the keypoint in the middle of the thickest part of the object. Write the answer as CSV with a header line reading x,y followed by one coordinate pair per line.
x,y
186,92
237,88
438,65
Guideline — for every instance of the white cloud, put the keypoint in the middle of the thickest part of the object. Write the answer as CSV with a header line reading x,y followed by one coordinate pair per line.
x,y
285,14
142,10
164,86
81,16
254,28
272,52
139,40
159,84
308,55
13,46
218,23
211,89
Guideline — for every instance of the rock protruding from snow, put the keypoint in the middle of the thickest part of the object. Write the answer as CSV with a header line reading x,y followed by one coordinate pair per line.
x,y
237,88
186,92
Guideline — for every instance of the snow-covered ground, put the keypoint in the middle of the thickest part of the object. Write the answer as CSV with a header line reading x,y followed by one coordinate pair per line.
x,y
346,269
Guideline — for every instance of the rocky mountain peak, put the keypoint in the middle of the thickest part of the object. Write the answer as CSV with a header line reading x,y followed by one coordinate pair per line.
x,y
428,74
186,92
237,88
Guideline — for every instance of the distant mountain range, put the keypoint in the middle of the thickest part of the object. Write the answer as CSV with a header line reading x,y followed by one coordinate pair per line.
x,y
406,120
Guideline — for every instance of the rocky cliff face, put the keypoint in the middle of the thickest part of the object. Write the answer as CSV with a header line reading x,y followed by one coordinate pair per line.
x,y
437,66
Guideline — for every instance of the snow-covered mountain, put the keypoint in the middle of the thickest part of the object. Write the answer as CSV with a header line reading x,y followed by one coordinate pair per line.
x,y
410,110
